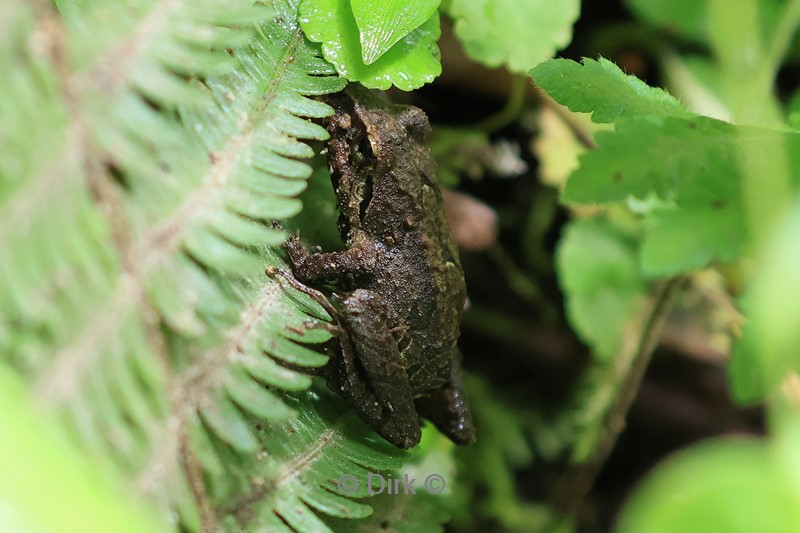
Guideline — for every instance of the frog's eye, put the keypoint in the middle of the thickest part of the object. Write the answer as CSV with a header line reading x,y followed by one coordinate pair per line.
x,y
415,122
365,148
363,154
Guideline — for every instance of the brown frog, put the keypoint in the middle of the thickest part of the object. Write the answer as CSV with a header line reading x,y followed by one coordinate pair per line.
x,y
400,315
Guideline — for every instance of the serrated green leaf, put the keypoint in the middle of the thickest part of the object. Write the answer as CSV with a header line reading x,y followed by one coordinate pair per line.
x,y
381,24
409,64
516,33
694,166
677,240
598,269
601,88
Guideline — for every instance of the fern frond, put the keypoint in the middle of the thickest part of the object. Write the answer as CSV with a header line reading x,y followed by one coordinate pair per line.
x,y
295,481
399,513
146,152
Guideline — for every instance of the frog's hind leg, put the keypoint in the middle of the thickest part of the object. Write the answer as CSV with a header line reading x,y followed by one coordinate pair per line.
x,y
447,408
373,376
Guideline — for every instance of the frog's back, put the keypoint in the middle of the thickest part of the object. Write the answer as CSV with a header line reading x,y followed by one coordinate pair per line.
x,y
418,270
427,286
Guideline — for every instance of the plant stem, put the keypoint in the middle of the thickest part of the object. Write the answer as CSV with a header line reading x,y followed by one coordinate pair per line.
x,y
522,284
570,491
782,38
516,99
749,63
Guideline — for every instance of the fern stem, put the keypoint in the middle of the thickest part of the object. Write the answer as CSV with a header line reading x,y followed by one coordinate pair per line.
x,y
164,240
61,380
193,469
289,471
191,388
507,115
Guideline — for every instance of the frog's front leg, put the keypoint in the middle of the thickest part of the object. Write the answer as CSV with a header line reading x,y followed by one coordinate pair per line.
x,y
308,267
447,407
373,375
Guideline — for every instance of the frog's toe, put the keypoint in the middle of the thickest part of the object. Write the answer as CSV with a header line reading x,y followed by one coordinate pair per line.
x,y
402,437
460,431
447,408
409,442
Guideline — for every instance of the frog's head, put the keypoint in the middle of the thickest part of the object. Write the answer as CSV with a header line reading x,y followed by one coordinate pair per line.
x,y
379,161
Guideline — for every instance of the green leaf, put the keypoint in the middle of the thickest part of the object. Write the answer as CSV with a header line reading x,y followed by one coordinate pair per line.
x,y
770,345
677,240
751,378
305,457
601,88
255,398
382,24
408,64
516,33
687,18
399,513
598,269
693,166
335,505
227,422
729,485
